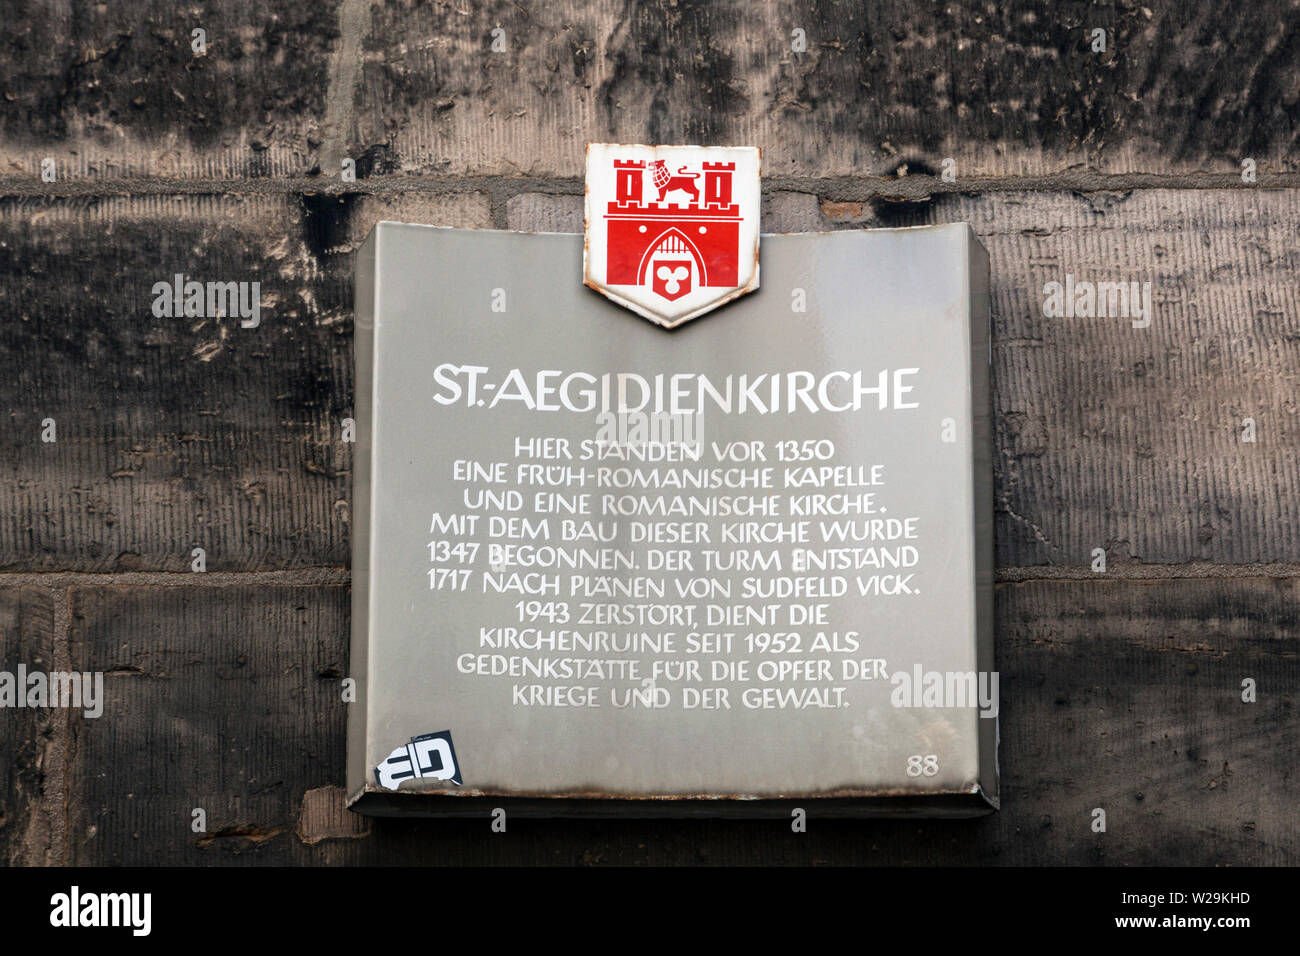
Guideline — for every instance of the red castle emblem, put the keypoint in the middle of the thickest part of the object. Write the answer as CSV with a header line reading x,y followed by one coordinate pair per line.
x,y
666,240
679,247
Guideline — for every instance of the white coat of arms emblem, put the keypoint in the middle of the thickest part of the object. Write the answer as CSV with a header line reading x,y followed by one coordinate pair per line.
x,y
671,231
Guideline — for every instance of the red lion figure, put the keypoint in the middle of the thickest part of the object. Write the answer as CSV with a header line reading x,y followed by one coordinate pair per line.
x,y
666,183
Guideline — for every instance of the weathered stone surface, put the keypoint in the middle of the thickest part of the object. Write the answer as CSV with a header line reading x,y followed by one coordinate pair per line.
x,y
28,830
325,816
113,89
1131,439
285,90
791,212
1127,696
465,210
1002,90
1124,696
176,433
541,212
221,699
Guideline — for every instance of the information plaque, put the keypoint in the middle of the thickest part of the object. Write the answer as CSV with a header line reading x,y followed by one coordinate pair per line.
x,y
601,567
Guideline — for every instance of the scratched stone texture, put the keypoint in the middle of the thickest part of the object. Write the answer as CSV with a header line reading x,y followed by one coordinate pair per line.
x,y
1122,695
178,433
27,736
1120,691
287,89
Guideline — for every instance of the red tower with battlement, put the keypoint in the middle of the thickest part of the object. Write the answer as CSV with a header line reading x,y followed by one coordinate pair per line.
x,y
706,229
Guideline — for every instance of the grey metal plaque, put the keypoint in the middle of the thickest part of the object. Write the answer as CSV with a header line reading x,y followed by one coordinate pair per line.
x,y
602,567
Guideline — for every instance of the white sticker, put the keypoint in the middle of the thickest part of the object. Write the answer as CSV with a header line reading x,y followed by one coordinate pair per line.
x,y
429,755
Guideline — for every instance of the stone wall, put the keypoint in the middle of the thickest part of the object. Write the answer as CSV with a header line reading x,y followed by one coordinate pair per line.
x,y
1121,689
